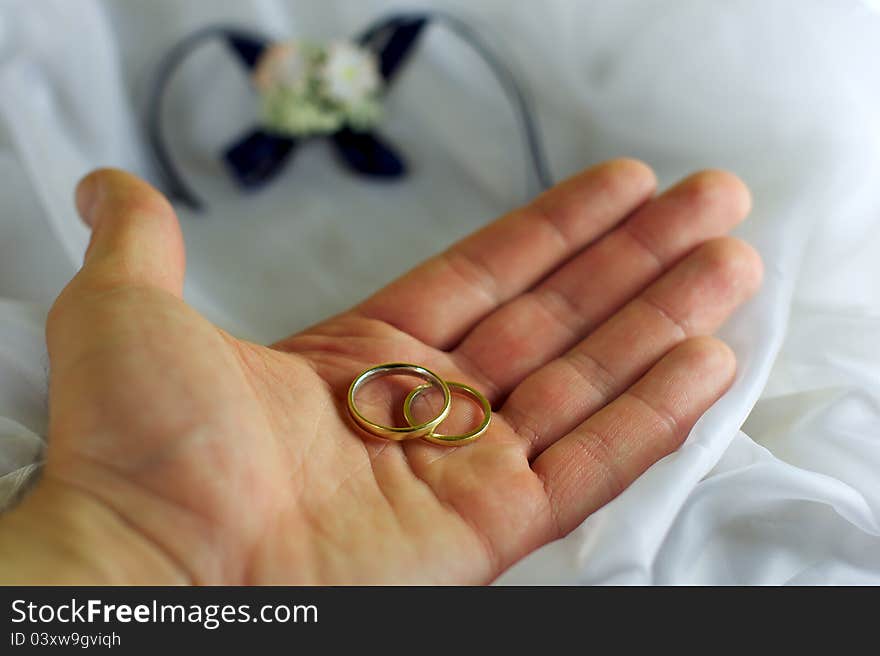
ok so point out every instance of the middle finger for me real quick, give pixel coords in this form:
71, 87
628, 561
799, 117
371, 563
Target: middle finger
543, 323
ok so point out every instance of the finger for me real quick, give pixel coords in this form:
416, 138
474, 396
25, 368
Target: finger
692, 300
439, 301
136, 238
136, 244
601, 457
503, 349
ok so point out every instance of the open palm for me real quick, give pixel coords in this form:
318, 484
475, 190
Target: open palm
199, 457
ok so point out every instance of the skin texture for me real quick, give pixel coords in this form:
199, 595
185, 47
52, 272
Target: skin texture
180, 454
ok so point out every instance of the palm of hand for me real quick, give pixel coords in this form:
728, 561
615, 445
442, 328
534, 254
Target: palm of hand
237, 462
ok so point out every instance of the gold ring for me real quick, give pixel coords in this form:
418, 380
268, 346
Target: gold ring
451, 440
397, 433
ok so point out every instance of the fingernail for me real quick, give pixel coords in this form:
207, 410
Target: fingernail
87, 198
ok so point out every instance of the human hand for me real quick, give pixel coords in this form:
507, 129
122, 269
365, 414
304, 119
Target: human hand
178, 453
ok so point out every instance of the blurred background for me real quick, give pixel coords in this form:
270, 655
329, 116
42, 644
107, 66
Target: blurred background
785, 93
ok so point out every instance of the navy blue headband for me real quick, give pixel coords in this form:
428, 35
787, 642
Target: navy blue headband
259, 155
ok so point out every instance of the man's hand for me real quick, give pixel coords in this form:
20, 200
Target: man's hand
178, 453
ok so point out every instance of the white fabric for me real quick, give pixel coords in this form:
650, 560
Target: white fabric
778, 482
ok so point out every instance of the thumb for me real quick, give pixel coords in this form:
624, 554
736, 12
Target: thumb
127, 293
136, 238
136, 248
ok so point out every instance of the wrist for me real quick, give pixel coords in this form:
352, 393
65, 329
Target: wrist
59, 535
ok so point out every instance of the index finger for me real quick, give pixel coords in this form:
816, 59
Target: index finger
441, 299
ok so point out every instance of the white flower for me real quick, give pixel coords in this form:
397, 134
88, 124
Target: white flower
282, 65
309, 89
350, 74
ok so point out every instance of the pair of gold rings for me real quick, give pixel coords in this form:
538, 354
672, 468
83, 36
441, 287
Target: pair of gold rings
424, 430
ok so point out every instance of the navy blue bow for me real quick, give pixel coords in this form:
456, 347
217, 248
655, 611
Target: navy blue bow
259, 155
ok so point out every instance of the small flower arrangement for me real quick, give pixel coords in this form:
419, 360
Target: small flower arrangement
310, 89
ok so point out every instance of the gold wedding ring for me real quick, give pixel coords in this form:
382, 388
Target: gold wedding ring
424, 430
452, 440
398, 433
